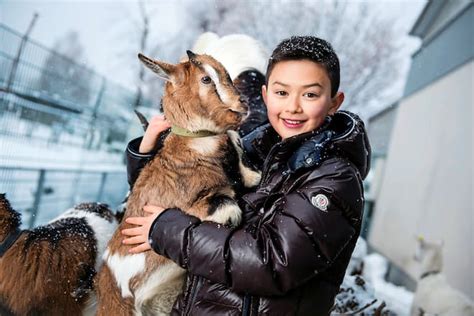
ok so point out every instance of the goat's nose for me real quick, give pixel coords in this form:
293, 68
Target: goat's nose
243, 99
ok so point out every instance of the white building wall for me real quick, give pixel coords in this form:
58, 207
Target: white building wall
427, 186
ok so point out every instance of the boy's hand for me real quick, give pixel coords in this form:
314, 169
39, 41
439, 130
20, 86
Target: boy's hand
139, 235
157, 124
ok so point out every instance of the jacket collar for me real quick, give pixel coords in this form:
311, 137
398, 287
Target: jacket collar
351, 141
342, 134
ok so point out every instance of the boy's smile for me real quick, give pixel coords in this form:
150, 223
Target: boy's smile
298, 97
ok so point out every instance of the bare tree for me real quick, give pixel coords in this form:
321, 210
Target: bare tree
62, 74
144, 34
372, 51
370, 48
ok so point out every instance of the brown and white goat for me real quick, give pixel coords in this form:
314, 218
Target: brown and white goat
49, 270
188, 172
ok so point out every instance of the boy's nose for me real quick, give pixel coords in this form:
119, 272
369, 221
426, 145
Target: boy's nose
293, 105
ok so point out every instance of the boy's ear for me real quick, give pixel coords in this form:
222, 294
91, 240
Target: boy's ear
163, 70
264, 94
336, 102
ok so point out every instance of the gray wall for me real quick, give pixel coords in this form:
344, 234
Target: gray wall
448, 11
427, 183
380, 128
452, 47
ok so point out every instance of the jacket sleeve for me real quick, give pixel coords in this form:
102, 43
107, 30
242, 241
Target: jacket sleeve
292, 240
136, 161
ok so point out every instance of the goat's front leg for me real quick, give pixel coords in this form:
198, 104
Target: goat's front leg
223, 209
250, 177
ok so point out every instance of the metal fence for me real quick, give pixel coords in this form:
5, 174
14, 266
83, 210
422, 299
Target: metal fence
44, 88
63, 108
42, 194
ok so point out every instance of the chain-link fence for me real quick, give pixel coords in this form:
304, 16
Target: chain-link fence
56, 112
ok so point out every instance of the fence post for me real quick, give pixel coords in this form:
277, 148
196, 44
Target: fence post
11, 76
102, 185
37, 200
93, 120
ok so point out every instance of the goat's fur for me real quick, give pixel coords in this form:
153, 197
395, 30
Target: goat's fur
49, 270
433, 295
197, 175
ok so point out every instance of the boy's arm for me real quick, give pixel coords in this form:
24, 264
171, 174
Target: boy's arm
135, 160
142, 149
294, 239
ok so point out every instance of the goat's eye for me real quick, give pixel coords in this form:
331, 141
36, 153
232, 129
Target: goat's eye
206, 80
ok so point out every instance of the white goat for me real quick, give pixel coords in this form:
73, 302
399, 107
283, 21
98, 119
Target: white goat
236, 52
434, 296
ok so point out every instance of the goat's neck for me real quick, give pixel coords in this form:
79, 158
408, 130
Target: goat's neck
4, 231
205, 146
433, 261
6, 228
10, 220
187, 133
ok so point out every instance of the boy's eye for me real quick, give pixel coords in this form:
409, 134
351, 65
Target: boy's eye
281, 93
311, 95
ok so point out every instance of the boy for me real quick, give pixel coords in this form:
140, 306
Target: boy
302, 221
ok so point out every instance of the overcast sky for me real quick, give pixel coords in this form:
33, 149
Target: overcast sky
102, 25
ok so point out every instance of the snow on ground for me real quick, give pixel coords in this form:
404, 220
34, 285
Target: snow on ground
365, 282
397, 298
40, 152
356, 297
72, 173
21, 152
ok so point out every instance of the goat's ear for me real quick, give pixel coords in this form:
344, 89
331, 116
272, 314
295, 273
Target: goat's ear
164, 70
191, 55
193, 58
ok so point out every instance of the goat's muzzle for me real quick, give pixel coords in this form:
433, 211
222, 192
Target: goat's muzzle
241, 114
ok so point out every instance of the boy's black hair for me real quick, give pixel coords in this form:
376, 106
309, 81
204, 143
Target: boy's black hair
307, 47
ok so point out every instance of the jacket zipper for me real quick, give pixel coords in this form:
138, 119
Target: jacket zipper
246, 305
194, 286
266, 163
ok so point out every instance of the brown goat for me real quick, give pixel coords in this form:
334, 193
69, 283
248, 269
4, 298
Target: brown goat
191, 172
49, 270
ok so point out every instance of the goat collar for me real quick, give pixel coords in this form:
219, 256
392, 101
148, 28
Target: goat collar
9, 241
428, 273
184, 132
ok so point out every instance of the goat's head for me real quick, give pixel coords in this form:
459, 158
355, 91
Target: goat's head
199, 94
9, 218
429, 254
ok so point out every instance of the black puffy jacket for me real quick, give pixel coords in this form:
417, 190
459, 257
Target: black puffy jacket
301, 225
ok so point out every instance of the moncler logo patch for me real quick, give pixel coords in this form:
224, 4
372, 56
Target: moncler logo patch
320, 201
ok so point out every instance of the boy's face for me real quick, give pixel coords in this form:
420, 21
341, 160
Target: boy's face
298, 97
